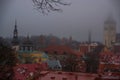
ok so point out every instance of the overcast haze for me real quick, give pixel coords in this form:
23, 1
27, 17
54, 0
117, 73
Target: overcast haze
75, 20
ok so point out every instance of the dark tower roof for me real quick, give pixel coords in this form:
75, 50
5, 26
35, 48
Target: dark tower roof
15, 40
110, 20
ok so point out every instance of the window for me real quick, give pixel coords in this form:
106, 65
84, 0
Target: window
28, 48
52, 78
21, 48
64, 78
31, 48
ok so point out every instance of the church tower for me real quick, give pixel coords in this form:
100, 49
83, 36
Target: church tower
15, 41
109, 32
89, 37
89, 40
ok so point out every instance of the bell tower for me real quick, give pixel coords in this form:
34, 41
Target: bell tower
109, 32
15, 41
15, 33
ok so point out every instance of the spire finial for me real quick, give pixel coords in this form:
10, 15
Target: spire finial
15, 23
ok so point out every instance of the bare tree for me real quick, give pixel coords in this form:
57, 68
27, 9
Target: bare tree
46, 6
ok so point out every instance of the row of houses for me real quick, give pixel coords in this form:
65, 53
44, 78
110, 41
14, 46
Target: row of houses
63, 54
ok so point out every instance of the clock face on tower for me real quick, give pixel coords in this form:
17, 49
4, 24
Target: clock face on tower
105, 28
111, 28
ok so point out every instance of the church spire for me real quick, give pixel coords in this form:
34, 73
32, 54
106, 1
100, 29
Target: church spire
15, 23
89, 36
15, 33
89, 40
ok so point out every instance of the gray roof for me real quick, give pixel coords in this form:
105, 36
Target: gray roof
54, 64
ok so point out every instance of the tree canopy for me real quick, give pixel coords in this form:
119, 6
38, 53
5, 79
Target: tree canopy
7, 61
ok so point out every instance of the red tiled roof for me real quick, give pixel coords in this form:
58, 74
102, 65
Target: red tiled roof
68, 76
22, 71
59, 49
78, 53
106, 53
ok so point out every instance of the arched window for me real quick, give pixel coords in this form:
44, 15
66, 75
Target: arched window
26, 48
31, 48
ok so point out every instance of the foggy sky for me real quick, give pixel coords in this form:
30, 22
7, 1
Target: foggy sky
75, 20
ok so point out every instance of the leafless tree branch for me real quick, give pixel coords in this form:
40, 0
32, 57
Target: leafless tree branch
46, 6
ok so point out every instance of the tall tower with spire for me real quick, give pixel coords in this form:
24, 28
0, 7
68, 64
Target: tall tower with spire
15, 33
15, 41
89, 37
109, 31
89, 41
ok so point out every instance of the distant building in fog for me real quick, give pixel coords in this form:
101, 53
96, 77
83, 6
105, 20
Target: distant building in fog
109, 32
86, 47
26, 46
118, 37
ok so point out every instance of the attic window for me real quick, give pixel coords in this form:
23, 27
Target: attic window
52, 78
59, 72
70, 73
64, 78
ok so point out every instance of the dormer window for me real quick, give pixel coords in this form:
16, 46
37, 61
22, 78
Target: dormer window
52, 78
64, 78
55, 52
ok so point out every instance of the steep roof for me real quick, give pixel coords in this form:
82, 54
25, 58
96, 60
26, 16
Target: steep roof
54, 63
110, 20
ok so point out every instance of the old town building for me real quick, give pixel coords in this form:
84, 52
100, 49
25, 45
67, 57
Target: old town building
109, 32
